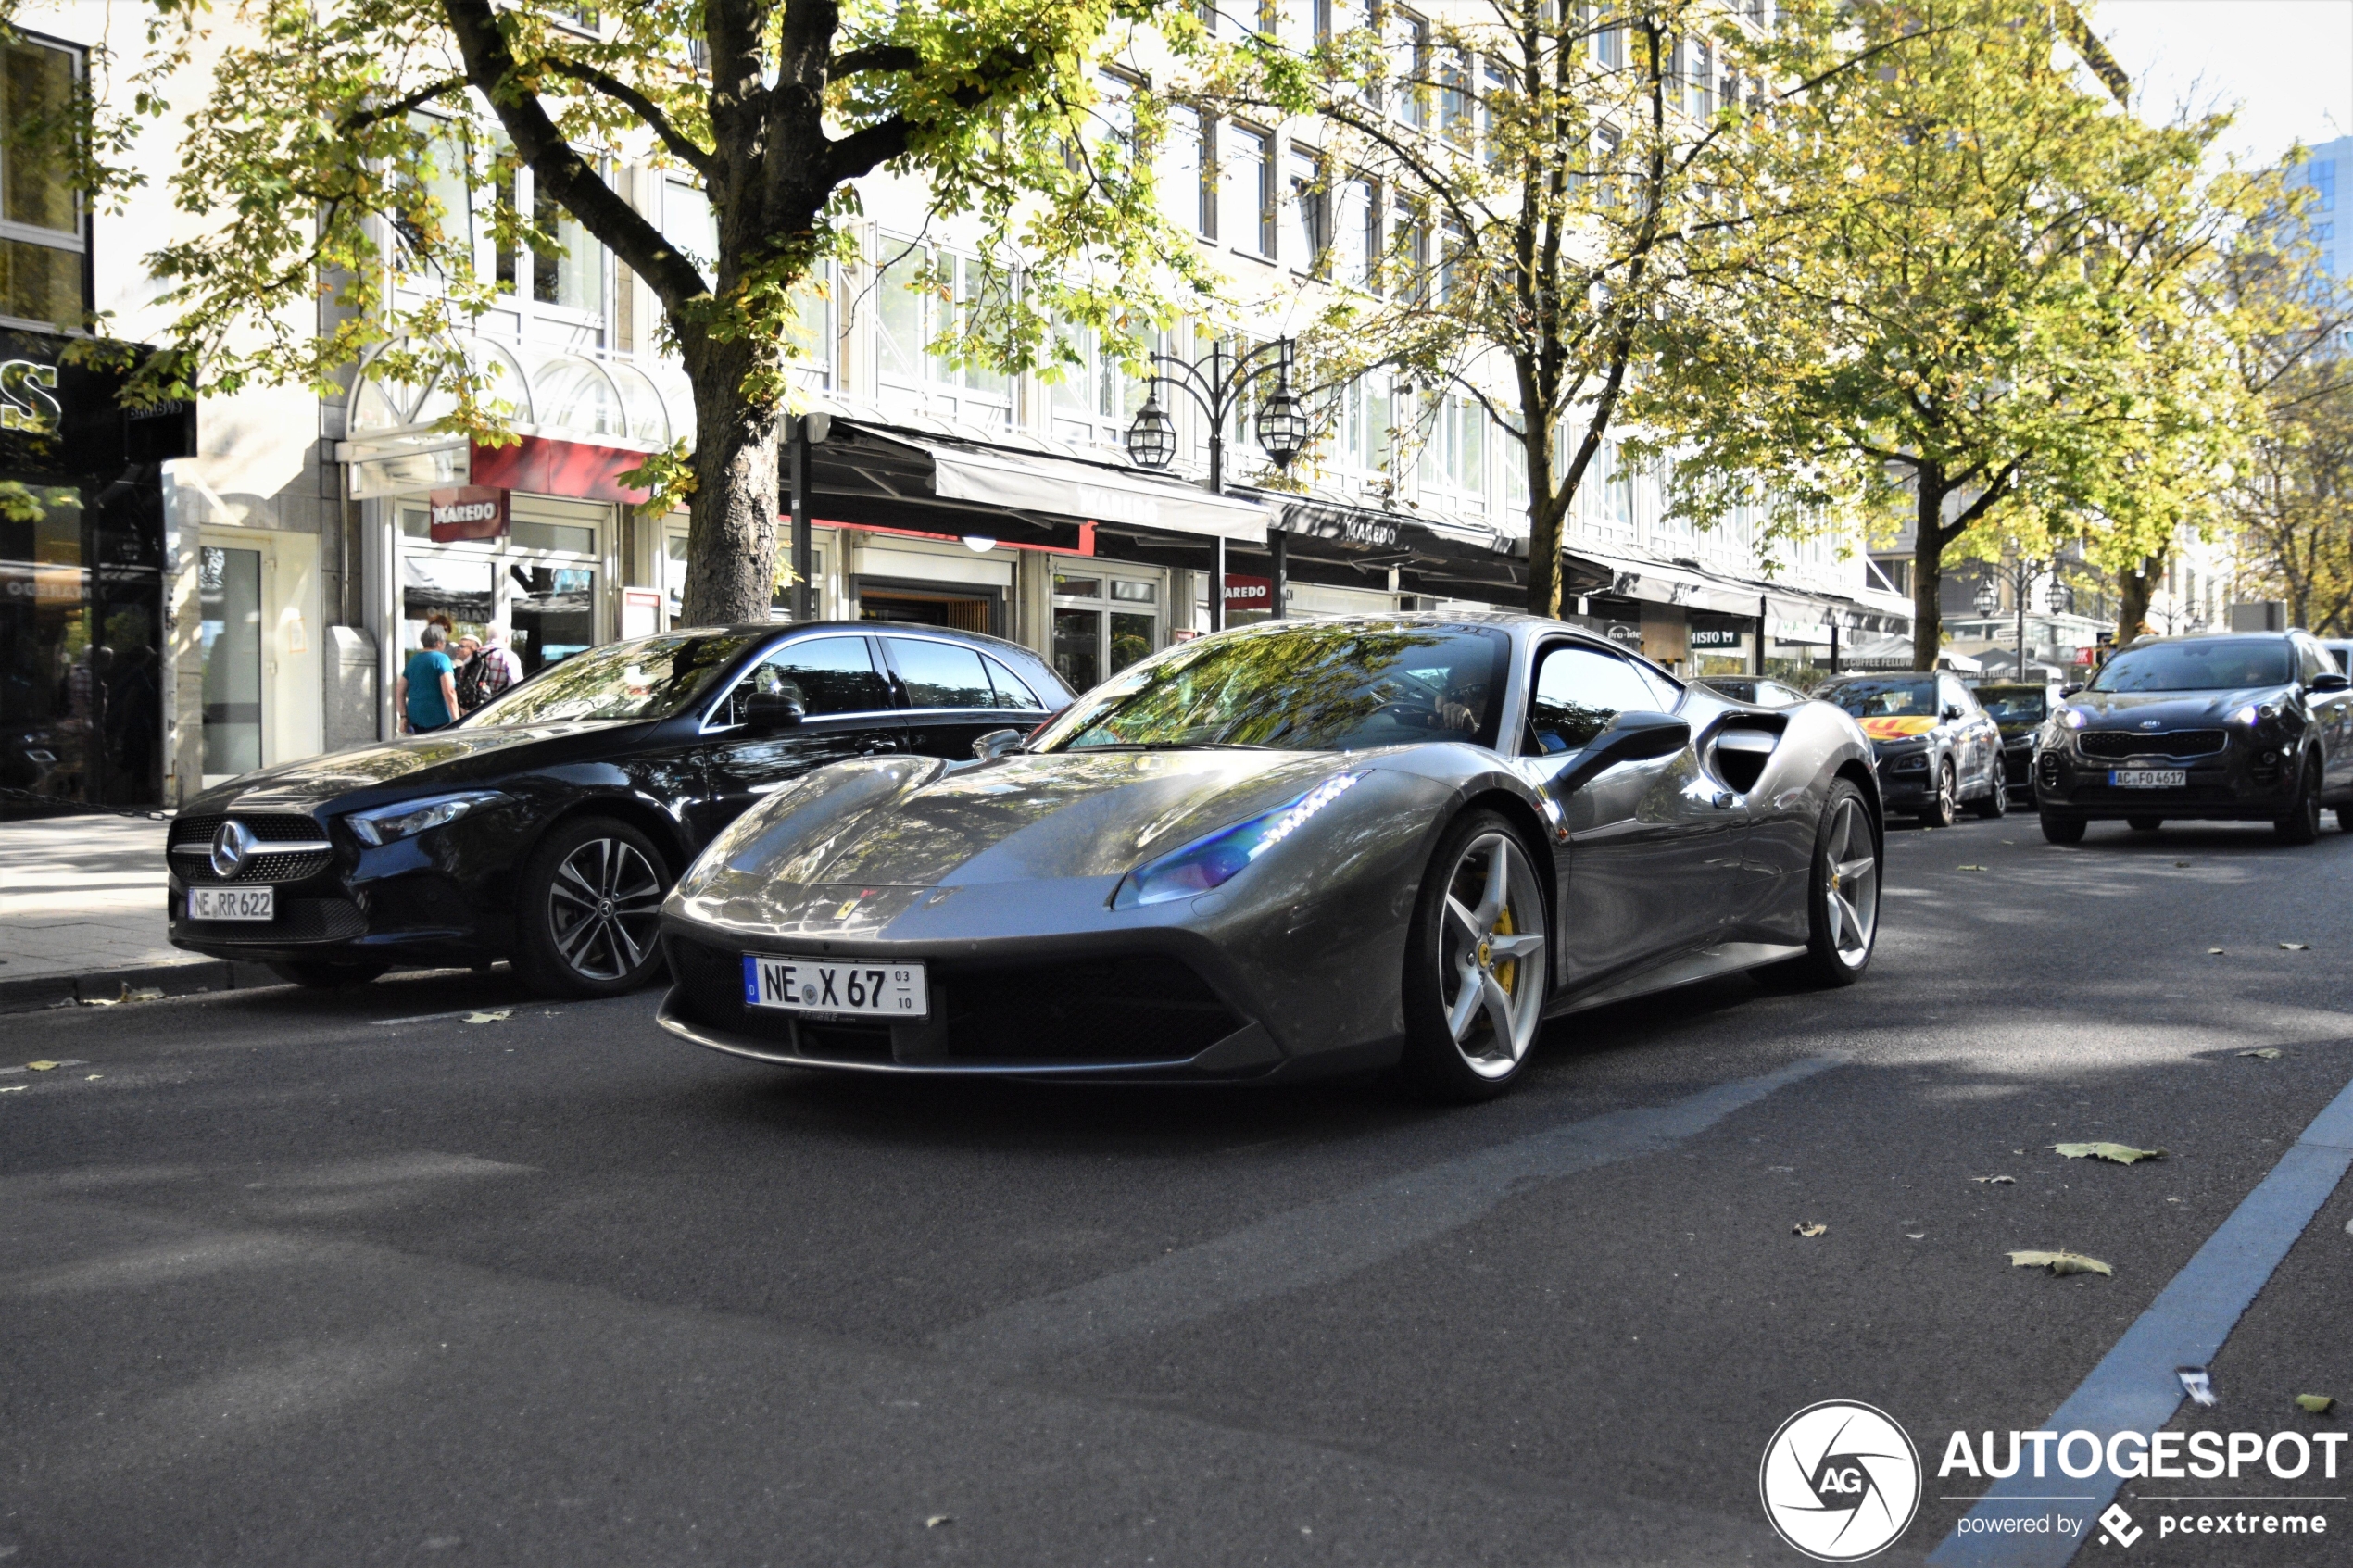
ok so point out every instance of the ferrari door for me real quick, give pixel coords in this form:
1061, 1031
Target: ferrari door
1655, 846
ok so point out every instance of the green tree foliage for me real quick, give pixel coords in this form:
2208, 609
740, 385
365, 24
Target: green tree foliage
1982, 292
348, 153
1546, 175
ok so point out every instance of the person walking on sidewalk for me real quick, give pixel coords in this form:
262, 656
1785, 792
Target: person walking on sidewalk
491, 671
429, 686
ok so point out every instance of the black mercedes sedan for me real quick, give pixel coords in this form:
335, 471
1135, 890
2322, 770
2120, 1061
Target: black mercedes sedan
2231, 727
546, 826
1936, 748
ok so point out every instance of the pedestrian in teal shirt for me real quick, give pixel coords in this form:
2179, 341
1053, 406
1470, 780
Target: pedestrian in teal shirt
429, 686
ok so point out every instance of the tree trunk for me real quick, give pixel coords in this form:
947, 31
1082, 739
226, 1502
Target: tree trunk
2134, 589
1928, 568
731, 541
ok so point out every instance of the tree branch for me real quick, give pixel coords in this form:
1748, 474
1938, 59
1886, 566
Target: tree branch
696, 158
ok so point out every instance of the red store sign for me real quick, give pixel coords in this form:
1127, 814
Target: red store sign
1249, 593
471, 511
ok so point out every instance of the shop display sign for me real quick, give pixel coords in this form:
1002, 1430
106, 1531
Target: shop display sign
1249, 593
1714, 638
468, 512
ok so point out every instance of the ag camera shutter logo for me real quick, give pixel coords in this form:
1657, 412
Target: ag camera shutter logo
1839, 1481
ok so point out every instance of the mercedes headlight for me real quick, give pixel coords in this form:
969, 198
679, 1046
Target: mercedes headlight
1214, 859
410, 818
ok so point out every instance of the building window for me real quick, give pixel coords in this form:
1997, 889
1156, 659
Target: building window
566, 273
1609, 46
1704, 80
1255, 151
1356, 229
1096, 398
1323, 22
1454, 448
922, 299
1197, 146
1311, 209
1409, 57
41, 223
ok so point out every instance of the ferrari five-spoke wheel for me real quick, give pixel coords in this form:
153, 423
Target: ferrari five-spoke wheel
1843, 900
1476, 969
591, 911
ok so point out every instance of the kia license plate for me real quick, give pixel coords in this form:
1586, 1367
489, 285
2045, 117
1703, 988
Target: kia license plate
231, 903
836, 985
2147, 778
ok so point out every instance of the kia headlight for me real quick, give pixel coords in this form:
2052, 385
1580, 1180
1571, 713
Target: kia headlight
410, 818
2254, 713
1213, 860
2070, 719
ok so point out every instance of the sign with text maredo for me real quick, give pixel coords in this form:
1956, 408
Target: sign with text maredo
1249, 593
471, 511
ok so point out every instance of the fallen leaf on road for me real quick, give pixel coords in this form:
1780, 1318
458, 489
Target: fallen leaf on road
2196, 1383
2214, 952
2122, 1153
1914, 1236
936, 1520
2269, 1053
1807, 1227
14, 1088
2318, 1404
143, 994
1770, 1168
2059, 1262
93, 1077
40, 1066
1996, 1180
2295, 947
2181, 865
484, 1017
1976, 867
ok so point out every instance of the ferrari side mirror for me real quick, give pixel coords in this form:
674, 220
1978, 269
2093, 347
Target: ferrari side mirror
768, 712
996, 744
1631, 737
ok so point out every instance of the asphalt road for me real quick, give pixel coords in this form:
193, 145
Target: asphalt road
283, 1282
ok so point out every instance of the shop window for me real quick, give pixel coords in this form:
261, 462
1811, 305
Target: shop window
553, 610
555, 537
1094, 640
228, 643
41, 224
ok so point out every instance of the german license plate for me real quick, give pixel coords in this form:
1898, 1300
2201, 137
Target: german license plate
836, 985
231, 903
2147, 778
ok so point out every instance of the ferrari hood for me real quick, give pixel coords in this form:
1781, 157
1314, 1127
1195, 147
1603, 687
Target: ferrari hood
910, 823
447, 757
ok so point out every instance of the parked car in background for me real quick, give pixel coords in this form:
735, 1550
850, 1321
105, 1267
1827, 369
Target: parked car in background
2019, 710
1937, 749
1764, 693
2231, 726
545, 826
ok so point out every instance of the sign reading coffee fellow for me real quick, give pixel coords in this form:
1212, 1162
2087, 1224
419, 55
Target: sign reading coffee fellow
471, 511
1714, 638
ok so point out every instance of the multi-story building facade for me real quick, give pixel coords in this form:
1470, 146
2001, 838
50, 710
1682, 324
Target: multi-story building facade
2319, 171
292, 552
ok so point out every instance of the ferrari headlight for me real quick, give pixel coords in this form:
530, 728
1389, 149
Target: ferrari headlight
1213, 860
410, 818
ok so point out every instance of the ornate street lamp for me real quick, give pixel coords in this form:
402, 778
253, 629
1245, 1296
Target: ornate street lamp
1217, 388
1988, 598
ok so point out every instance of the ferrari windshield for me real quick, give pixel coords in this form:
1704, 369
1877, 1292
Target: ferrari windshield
651, 678
2220, 665
1313, 686
1896, 697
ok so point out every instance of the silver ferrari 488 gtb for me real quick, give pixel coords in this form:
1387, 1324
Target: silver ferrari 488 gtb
1294, 848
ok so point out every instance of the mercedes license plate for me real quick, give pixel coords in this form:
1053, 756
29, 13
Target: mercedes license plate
2147, 778
231, 903
836, 985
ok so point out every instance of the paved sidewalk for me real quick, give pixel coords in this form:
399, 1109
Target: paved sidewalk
81, 912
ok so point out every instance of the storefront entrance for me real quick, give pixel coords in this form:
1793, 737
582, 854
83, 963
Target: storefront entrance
542, 580
1104, 622
229, 644
924, 606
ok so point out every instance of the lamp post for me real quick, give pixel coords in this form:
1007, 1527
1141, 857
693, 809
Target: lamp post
1216, 388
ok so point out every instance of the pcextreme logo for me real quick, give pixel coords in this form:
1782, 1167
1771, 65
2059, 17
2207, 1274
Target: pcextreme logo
1839, 1481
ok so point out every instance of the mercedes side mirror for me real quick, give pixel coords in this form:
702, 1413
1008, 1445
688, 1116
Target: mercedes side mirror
1631, 737
996, 744
766, 713
2328, 681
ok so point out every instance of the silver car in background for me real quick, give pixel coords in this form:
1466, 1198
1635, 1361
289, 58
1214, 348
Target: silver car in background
1290, 849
